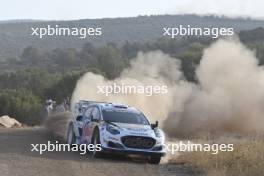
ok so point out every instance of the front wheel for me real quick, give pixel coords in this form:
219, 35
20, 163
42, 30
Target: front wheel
96, 141
154, 159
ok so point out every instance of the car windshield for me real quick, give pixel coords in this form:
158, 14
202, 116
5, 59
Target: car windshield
124, 117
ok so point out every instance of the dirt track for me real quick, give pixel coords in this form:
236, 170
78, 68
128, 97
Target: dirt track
16, 159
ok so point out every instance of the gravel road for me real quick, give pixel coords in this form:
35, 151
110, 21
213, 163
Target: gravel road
16, 159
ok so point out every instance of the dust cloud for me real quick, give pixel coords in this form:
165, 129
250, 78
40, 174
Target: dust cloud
229, 95
57, 125
154, 68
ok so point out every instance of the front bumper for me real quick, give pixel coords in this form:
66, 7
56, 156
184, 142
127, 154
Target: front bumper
135, 152
113, 144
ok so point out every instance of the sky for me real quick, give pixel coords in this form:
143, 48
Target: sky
83, 9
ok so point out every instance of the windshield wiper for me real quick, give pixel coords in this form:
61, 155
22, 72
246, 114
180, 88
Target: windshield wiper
110, 122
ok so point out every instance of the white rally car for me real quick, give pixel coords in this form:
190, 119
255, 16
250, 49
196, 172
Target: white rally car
118, 128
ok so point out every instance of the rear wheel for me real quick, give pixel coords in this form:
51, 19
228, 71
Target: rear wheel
71, 138
154, 159
96, 141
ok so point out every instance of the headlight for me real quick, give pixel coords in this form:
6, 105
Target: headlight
112, 129
158, 133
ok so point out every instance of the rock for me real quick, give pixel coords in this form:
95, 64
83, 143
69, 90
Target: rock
8, 122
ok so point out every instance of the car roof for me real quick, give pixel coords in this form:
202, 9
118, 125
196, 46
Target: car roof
117, 107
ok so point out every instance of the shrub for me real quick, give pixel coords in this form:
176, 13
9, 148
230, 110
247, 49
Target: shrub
21, 105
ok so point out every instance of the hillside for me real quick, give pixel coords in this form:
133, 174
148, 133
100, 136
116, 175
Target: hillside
15, 35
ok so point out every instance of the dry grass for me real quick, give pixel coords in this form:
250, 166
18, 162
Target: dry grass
247, 159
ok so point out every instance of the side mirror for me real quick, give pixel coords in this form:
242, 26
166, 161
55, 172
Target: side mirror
79, 118
155, 125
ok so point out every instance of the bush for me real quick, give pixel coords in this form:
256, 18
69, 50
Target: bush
21, 105
246, 159
65, 86
33, 79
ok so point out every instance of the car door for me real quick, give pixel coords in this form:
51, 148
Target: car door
86, 131
95, 118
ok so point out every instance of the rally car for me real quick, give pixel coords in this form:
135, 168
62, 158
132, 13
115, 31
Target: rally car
117, 128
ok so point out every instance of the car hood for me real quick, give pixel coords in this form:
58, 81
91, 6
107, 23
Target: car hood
136, 128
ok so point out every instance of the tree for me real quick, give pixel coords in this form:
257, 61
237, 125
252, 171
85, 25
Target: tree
111, 61
32, 79
65, 58
87, 55
190, 59
32, 55
65, 86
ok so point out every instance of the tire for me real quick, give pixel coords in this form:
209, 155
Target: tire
154, 159
71, 138
96, 141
